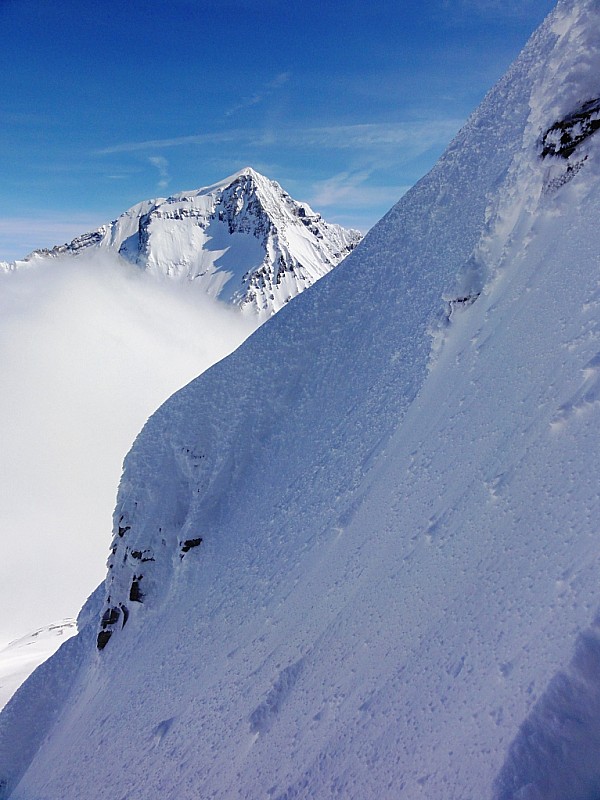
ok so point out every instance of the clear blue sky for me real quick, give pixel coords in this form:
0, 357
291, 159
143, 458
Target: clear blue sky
345, 103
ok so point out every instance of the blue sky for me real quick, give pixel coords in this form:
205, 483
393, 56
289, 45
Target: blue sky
345, 103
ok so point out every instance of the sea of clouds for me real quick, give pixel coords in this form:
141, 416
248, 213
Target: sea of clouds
89, 348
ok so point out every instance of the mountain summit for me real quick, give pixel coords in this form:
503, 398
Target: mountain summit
359, 557
244, 240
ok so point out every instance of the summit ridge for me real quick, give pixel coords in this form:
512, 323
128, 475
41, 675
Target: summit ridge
244, 240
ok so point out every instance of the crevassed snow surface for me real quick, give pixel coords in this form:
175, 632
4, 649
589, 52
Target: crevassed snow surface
397, 589
20, 657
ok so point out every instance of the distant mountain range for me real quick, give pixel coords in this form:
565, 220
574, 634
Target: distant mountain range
244, 240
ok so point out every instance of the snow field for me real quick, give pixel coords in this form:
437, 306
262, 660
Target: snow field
20, 657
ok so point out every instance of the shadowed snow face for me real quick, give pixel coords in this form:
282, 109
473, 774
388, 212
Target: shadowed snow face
555, 753
88, 349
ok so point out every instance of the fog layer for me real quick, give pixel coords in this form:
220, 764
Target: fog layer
89, 347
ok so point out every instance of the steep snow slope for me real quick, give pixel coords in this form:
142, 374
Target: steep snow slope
244, 240
396, 590
19, 658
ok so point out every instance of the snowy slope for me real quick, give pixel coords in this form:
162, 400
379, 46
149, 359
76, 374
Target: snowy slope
19, 658
397, 589
244, 240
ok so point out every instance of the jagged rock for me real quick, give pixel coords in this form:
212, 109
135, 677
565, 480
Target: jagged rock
244, 240
135, 594
563, 137
142, 555
189, 543
110, 616
102, 639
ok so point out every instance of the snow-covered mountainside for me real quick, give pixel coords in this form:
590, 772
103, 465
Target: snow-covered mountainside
375, 572
244, 240
19, 658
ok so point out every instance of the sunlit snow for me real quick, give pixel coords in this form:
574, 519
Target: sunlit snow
394, 584
20, 657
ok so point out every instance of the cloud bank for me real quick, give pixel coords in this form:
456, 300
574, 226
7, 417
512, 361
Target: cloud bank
88, 349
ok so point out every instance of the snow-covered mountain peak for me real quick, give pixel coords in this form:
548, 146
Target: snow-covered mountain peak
247, 177
363, 577
243, 240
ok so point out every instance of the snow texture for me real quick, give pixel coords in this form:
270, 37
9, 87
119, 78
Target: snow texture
244, 240
20, 657
399, 550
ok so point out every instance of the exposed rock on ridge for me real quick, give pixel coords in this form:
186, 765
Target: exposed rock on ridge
245, 240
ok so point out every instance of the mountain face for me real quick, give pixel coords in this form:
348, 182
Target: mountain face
359, 557
244, 240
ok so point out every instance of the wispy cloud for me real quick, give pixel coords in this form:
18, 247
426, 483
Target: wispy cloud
162, 165
347, 190
338, 188
418, 135
258, 97
20, 235
177, 141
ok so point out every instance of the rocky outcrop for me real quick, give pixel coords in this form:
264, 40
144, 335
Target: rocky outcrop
565, 136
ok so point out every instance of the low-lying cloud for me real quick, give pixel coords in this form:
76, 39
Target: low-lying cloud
89, 347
